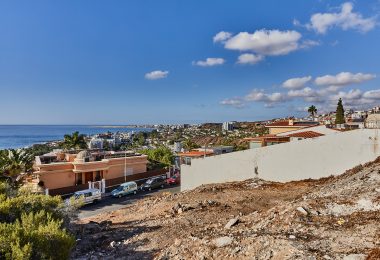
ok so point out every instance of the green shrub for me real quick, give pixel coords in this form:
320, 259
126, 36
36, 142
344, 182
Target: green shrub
12, 208
35, 236
32, 226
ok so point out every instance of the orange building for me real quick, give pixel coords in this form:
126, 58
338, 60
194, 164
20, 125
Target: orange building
67, 170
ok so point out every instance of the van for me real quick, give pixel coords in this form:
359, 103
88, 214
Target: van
89, 196
125, 189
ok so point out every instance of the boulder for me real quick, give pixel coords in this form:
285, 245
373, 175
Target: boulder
231, 223
222, 241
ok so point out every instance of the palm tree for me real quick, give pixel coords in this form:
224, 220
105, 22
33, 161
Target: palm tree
312, 110
74, 141
15, 162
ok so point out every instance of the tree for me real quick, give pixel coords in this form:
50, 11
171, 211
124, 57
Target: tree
74, 141
106, 145
189, 145
15, 162
339, 119
161, 154
312, 110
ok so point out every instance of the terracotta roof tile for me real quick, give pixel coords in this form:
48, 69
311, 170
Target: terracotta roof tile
306, 134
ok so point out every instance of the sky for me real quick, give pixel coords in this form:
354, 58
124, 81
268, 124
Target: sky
151, 61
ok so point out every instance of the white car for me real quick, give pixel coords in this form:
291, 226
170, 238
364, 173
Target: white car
88, 196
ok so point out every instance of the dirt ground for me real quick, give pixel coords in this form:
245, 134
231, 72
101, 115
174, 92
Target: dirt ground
330, 218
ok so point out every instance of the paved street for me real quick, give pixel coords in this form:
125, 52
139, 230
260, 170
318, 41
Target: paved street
110, 204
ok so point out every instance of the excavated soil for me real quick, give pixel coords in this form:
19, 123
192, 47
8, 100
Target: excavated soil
330, 218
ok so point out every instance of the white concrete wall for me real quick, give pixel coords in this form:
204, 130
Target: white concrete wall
309, 158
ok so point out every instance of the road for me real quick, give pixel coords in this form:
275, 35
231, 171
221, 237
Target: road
110, 204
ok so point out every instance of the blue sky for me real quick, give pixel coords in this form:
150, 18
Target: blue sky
137, 61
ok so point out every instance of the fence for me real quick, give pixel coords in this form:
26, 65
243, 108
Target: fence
109, 182
134, 177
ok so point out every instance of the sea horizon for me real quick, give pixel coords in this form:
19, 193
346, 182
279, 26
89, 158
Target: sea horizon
21, 136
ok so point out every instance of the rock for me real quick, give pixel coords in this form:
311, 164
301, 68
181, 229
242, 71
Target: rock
292, 237
236, 250
355, 257
180, 211
112, 244
222, 241
326, 257
302, 210
231, 223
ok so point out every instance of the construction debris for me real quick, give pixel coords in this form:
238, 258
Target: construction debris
330, 218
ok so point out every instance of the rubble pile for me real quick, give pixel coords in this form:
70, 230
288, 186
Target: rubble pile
330, 218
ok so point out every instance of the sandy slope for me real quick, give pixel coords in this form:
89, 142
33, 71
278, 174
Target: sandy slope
339, 219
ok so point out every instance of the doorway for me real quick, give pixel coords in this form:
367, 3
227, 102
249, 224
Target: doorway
88, 177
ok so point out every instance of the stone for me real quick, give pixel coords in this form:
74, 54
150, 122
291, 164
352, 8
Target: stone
292, 237
231, 223
222, 241
180, 211
302, 211
355, 257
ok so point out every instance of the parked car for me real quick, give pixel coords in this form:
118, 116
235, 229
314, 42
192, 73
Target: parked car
88, 196
125, 189
175, 179
154, 183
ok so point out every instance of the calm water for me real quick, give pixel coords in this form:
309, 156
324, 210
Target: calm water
18, 136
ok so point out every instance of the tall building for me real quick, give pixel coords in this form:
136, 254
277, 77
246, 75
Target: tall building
228, 126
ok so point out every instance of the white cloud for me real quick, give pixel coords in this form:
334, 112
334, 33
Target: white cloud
345, 19
209, 62
234, 102
296, 22
307, 44
260, 96
157, 74
325, 98
372, 94
249, 58
352, 94
343, 78
306, 92
222, 36
265, 42
296, 83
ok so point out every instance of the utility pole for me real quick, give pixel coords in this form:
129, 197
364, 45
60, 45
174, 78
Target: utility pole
125, 164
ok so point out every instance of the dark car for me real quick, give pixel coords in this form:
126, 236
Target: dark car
154, 183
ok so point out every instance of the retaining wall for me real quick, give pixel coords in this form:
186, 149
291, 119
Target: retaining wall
303, 159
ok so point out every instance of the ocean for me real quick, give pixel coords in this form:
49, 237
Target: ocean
19, 136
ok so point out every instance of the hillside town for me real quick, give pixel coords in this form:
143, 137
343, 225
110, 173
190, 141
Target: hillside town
168, 159
181, 130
